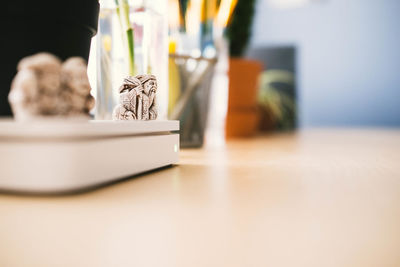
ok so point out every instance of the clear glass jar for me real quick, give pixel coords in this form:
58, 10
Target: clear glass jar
115, 60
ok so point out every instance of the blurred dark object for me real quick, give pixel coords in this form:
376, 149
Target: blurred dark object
242, 116
275, 57
62, 28
277, 87
190, 84
239, 28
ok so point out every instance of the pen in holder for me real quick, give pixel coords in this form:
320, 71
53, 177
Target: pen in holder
190, 82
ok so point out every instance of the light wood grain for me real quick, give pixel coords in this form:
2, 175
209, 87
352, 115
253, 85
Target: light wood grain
315, 198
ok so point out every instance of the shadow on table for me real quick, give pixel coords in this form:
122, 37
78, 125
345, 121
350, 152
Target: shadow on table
84, 190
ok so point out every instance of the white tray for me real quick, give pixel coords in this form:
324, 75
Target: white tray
59, 156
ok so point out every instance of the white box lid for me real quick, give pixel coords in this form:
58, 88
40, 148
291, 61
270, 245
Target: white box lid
66, 128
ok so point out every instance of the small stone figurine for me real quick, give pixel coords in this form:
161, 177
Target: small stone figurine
44, 86
137, 99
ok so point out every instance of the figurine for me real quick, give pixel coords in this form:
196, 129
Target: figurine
44, 86
137, 99
149, 83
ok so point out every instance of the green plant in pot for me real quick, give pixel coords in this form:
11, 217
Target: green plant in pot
63, 28
242, 116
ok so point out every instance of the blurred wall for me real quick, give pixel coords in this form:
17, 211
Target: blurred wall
348, 58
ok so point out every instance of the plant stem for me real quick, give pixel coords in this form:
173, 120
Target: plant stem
126, 26
131, 50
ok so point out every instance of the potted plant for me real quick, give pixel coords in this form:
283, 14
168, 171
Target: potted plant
242, 115
63, 28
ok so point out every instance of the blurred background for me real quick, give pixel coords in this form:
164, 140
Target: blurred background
239, 68
347, 57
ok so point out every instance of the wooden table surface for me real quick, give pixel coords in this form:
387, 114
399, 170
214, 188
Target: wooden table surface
315, 198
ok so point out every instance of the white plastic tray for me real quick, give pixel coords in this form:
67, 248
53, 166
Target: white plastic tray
59, 156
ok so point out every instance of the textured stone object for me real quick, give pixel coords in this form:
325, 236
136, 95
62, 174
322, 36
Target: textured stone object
137, 99
45, 86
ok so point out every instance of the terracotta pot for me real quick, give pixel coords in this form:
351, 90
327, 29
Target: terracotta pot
242, 117
241, 123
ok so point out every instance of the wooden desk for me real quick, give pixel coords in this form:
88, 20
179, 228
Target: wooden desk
316, 198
